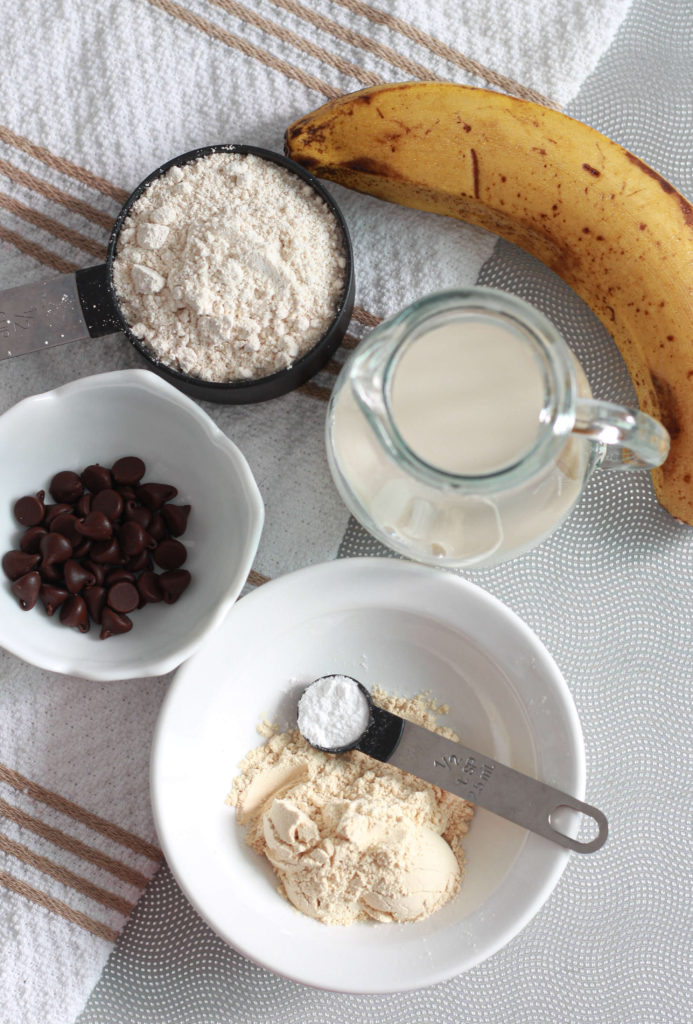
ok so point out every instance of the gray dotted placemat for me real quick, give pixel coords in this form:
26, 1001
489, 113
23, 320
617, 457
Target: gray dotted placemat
610, 596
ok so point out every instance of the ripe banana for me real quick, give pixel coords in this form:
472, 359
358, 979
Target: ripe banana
608, 224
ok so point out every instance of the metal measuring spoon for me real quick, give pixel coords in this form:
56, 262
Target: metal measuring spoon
466, 773
84, 304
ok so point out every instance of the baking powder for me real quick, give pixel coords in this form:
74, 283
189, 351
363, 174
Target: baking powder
229, 267
333, 712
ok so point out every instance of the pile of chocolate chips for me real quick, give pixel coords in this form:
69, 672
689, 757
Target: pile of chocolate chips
92, 554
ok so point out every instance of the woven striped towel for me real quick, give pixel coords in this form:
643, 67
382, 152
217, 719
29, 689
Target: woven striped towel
93, 97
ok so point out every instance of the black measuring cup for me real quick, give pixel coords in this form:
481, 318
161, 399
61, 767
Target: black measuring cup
84, 304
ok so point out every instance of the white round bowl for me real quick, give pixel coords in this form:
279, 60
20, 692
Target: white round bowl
99, 419
407, 628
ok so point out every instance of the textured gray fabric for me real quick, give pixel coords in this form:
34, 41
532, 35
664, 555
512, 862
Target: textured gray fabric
609, 595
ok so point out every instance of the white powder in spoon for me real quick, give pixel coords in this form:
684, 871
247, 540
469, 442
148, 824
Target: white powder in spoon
229, 267
333, 712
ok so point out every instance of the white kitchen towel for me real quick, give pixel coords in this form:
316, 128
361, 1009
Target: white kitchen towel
93, 97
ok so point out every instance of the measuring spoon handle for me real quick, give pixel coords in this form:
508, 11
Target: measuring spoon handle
57, 311
487, 783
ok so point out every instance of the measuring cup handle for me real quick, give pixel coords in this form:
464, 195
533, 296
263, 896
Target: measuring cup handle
631, 439
96, 299
57, 311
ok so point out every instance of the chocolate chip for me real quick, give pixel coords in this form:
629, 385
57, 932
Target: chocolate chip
52, 597
132, 538
52, 573
97, 478
113, 623
176, 518
95, 600
66, 524
96, 525
170, 554
157, 528
140, 562
173, 584
83, 506
17, 563
137, 513
31, 539
55, 510
30, 510
149, 589
73, 612
54, 548
98, 570
128, 470
77, 577
26, 589
153, 496
115, 575
82, 549
109, 502
66, 486
123, 597
106, 551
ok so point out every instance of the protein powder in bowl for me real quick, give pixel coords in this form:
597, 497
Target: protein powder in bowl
232, 270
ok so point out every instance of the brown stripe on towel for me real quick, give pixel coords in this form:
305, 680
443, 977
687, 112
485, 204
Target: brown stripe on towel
65, 877
315, 391
64, 166
256, 579
57, 907
350, 341
85, 817
72, 845
429, 42
298, 42
56, 195
332, 367
53, 227
37, 252
249, 49
364, 317
353, 38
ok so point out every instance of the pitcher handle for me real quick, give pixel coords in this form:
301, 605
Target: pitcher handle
631, 438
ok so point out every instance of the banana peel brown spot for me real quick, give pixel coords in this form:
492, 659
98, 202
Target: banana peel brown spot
475, 172
309, 162
367, 165
592, 170
662, 182
666, 400
686, 208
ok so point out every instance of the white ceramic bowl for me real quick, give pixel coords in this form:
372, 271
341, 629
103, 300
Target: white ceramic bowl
407, 628
99, 419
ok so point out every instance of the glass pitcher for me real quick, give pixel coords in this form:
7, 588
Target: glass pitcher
462, 431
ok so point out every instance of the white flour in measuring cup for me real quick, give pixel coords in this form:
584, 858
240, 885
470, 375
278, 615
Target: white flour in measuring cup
229, 267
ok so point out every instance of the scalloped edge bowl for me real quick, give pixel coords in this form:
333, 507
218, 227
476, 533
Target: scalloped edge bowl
99, 419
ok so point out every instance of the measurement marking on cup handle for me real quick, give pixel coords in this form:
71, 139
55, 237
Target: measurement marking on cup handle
474, 773
11, 323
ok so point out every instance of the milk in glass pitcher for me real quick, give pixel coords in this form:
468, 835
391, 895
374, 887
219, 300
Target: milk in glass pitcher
462, 431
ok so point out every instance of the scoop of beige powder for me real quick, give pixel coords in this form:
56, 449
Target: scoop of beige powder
348, 837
